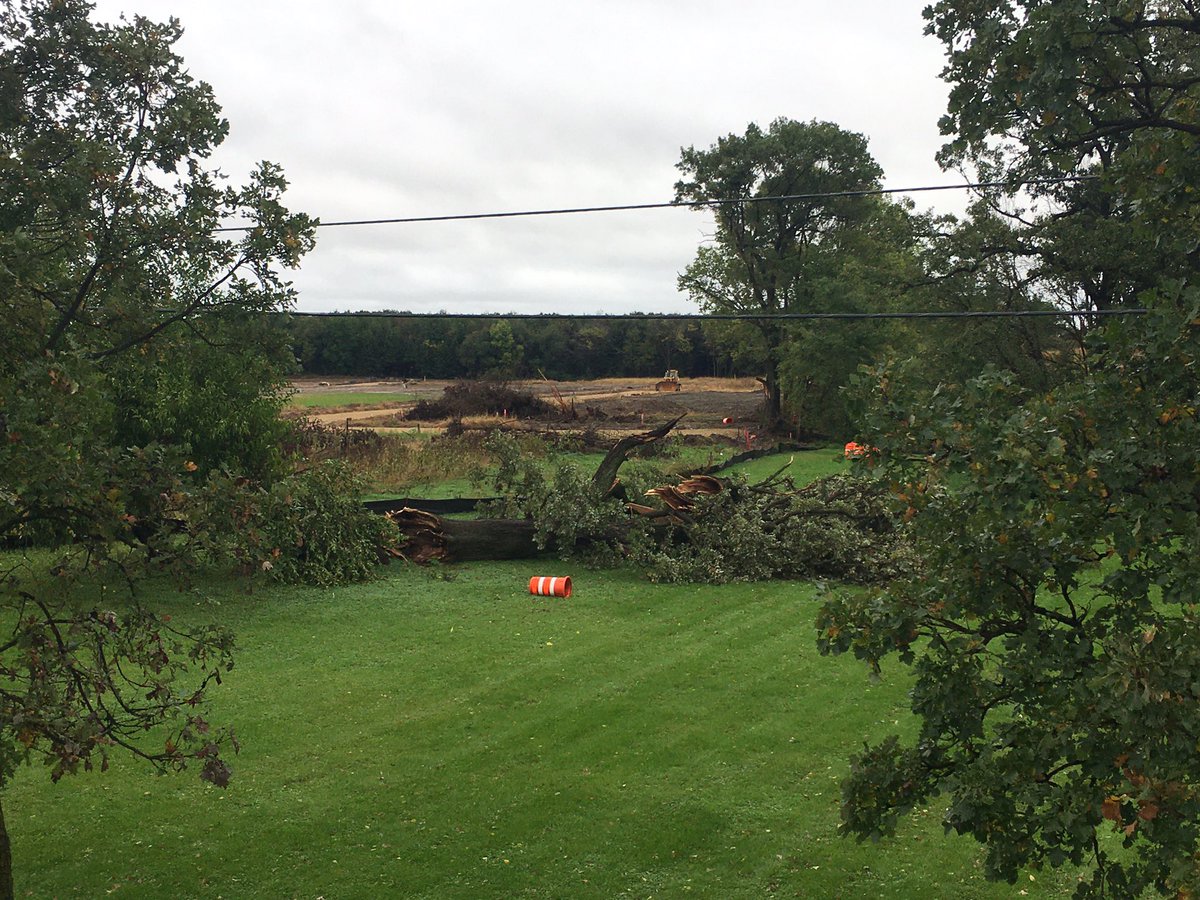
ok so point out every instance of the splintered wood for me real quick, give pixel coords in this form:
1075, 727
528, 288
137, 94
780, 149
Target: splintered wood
678, 500
424, 539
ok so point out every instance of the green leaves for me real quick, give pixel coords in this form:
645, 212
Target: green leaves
108, 214
1056, 513
309, 527
571, 514
131, 356
773, 258
885, 782
1052, 628
1042, 89
135, 655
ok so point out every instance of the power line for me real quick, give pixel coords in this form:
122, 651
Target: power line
688, 204
957, 314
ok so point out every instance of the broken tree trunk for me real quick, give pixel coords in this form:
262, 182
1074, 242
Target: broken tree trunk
697, 529
838, 527
428, 537
605, 479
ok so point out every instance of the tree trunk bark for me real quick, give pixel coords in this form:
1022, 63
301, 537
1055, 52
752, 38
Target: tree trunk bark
6, 873
474, 539
773, 408
429, 537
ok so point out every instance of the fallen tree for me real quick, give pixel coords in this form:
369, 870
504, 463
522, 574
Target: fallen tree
701, 528
430, 537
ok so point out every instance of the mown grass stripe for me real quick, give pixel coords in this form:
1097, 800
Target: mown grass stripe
404, 738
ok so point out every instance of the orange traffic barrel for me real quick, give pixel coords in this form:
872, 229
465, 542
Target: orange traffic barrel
545, 586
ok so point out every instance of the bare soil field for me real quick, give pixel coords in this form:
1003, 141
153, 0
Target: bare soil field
610, 404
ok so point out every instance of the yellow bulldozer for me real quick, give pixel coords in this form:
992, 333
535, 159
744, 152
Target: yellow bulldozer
669, 382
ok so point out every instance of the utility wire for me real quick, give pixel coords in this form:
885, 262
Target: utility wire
716, 201
960, 314
691, 204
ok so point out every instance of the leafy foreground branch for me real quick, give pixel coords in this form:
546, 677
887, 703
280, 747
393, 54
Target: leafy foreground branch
65, 649
703, 529
87, 670
1054, 631
135, 362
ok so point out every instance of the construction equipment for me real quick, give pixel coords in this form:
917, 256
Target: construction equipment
669, 382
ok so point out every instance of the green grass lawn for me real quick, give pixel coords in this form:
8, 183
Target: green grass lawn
803, 466
348, 398
441, 734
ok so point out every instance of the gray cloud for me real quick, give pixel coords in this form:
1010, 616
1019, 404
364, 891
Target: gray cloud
379, 109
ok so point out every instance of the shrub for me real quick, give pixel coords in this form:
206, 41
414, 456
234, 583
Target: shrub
308, 527
478, 398
311, 439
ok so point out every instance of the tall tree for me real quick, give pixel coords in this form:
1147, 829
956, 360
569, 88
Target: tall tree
113, 273
1043, 89
1052, 624
763, 256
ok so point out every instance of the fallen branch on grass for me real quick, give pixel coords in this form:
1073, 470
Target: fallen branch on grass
702, 528
430, 537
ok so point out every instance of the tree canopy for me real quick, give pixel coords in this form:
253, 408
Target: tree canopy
1105, 88
770, 257
1051, 625
133, 362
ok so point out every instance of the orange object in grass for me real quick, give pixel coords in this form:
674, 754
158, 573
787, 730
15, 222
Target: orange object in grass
545, 586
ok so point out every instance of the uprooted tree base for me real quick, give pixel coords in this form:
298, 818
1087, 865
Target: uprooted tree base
703, 528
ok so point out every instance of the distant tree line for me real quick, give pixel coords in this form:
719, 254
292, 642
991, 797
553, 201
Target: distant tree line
393, 346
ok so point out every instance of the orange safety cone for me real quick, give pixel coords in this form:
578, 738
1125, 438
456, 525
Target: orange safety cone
544, 586
855, 450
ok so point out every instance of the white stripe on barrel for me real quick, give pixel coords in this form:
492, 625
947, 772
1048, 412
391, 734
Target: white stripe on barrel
550, 586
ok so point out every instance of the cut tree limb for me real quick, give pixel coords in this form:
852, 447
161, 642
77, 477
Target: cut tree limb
429, 537
605, 479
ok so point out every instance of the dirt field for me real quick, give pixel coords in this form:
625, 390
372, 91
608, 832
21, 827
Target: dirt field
609, 404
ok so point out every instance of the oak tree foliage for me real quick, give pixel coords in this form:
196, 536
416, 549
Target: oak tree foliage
134, 362
1052, 625
1106, 88
1052, 629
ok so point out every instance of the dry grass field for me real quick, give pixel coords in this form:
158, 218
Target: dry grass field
610, 404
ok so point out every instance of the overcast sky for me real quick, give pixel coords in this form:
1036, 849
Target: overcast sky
380, 109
